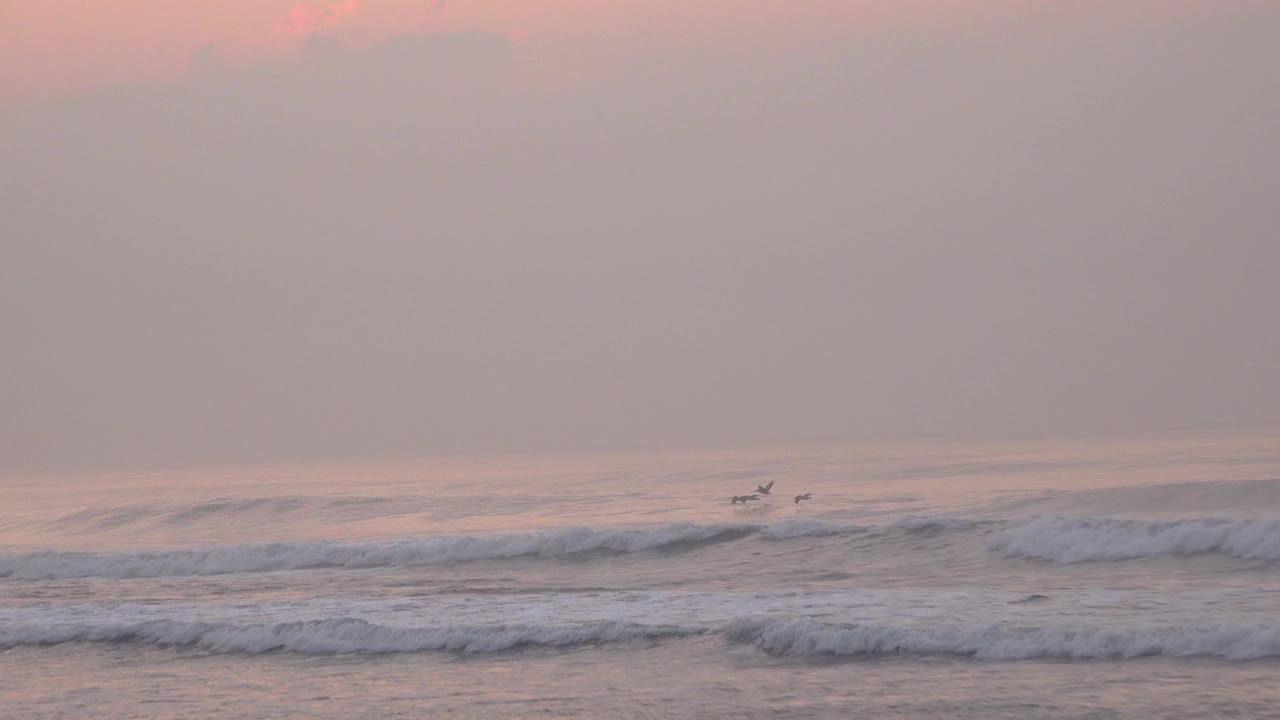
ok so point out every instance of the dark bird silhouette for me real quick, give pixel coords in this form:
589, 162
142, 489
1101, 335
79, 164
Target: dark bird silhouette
742, 499
764, 489
806, 496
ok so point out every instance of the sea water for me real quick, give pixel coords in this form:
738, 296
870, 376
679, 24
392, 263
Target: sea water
1067, 580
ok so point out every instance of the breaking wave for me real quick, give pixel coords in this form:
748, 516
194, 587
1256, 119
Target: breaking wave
1070, 540
1007, 642
338, 635
781, 637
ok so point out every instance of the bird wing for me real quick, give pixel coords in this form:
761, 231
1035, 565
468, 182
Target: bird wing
769, 487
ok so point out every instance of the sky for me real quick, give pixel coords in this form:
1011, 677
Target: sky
53, 48
251, 231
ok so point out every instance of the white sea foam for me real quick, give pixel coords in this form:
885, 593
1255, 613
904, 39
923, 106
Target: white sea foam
1069, 540
783, 637
336, 636
1007, 642
398, 553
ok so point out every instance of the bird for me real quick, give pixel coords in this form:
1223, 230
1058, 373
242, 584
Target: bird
764, 489
742, 499
806, 496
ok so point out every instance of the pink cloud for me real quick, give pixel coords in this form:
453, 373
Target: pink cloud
429, 21
340, 12
304, 19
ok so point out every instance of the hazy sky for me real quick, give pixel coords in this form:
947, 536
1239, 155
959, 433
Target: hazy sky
54, 47
388, 229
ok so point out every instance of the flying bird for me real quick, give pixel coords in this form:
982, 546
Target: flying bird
742, 499
764, 489
806, 496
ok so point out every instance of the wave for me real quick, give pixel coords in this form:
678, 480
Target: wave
1200, 498
919, 523
1006, 642
780, 637
416, 552
805, 527
232, 509
1070, 540
419, 552
338, 635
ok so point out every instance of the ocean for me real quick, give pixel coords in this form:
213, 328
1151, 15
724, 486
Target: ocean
1102, 579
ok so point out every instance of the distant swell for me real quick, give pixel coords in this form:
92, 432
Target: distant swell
921, 523
804, 527
419, 552
1006, 642
398, 553
1069, 540
337, 635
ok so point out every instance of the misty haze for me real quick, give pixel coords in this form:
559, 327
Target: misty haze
424, 247
392, 332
